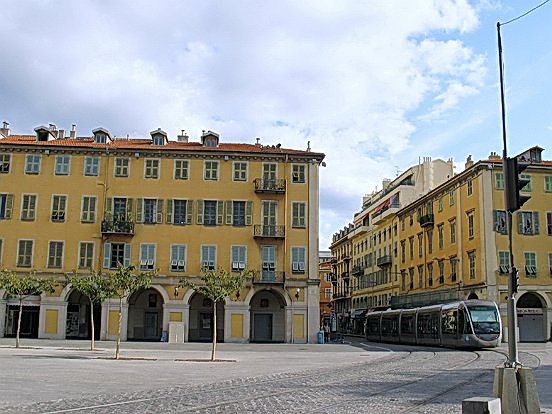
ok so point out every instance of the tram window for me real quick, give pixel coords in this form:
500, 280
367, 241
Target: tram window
449, 322
372, 326
464, 322
407, 324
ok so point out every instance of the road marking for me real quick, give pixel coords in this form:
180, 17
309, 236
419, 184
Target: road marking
377, 347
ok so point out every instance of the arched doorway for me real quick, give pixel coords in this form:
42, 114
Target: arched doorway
78, 324
472, 296
530, 316
201, 319
145, 316
268, 317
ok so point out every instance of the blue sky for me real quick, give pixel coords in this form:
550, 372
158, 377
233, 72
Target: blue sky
374, 84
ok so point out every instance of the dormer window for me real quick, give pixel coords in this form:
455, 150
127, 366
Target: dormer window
210, 139
43, 134
158, 140
100, 139
158, 137
101, 135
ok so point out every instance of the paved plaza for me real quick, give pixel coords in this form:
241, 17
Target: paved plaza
63, 377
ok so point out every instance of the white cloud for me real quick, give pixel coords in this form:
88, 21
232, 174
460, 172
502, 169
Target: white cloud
345, 75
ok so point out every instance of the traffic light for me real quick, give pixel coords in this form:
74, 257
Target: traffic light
514, 280
514, 184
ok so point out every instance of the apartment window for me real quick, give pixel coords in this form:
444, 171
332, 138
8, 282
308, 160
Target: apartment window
440, 204
92, 166
181, 169
147, 256
25, 253
499, 221
441, 236
238, 213
470, 187
504, 262
298, 260
530, 264
211, 170
63, 163
179, 213
298, 174
549, 223
453, 262
268, 265
471, 261
403, 279
327, 278
528, 222
151, 169
28, 207
421, 276
548, 183
298, 215
59, 203
238, 258
153, 211
451, 197
499, 181
430, 274
122, 166
526, 187
32, 164
209, 257
178, 258
471, 228
5, 163
403, 250
550, 263
210, 213
88, 213
411, 275
430, 241
240, 171
441, 264
452, 225
411, 247
420, 244
55, 254
86, 255
6, 206
269, 172
116, 254
328, 293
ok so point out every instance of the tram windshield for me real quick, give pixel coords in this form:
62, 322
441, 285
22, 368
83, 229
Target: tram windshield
484, 319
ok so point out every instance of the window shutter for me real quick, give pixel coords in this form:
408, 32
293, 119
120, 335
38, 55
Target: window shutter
127, 255
109, 207
169, 217
9, 206
495, 220
92, 209
199, 211
536, 222
189, 211
159, 218
220, 213
303, 214
520, 223
129, 208
107, 255
248, 213
139, 204
229, 208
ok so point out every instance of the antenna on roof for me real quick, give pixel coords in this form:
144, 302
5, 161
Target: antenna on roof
308, 146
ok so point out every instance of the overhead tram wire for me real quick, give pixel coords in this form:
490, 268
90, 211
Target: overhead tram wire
525, 14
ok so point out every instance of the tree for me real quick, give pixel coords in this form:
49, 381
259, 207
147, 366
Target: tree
96, 288
216, 285
21, 287
124, 283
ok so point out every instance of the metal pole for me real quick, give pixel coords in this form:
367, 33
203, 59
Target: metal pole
511, 310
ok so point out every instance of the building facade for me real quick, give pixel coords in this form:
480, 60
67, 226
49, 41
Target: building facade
341, 249
71, 203
454, 243
325, 269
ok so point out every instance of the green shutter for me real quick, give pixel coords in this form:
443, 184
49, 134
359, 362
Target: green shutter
229, 208
248, 213
159, 217
127, 255
129, 208
9, 206
169, 217
536, 222
199, 211
109, 208
520, 223
220, 213
107, 255
189, 211
139, 217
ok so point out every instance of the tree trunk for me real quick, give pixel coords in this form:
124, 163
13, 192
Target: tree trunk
91, 325
19, 323
118, 347
214, 348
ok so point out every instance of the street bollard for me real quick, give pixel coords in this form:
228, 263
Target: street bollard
320, 337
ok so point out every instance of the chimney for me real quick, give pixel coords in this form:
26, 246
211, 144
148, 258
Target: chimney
469, 162
494, 157
258, 141
5, 130
61, 134
73, 133
182, 137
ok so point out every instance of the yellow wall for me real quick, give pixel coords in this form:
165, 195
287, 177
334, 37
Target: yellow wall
175, 317
298, 326
113, 323
237, 325
51, 322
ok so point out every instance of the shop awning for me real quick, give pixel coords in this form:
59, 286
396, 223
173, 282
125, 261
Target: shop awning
358, 313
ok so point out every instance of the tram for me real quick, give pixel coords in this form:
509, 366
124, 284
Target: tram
462, 324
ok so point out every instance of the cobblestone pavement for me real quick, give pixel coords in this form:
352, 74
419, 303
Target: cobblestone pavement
406, 380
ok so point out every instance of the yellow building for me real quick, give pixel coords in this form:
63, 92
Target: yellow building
453, 243
341, 250
80, 203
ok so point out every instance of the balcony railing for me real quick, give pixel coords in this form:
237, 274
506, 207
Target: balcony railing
345, 275
118, 226
269, 231
427, 220
270, 277
357, 270
270, 186
384, 260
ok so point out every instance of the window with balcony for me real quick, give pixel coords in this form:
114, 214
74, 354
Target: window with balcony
59, 203
239, 259
178, 257
92, 166
63, 164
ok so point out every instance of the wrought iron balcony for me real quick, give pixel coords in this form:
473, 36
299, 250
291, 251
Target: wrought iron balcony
277, 185
261, 231
427, 220
270, 277
121, 225
357, 270
384, 260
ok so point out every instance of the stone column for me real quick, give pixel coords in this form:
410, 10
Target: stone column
236, 323
52, 318
176, 307
110, 315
